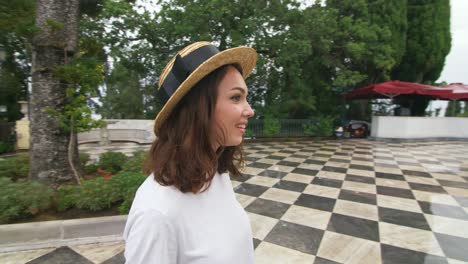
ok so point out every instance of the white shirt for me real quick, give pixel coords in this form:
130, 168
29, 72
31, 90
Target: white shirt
167, 226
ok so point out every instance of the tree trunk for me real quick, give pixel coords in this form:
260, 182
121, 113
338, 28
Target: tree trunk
55, 45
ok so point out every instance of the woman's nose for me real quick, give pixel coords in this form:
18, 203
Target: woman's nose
249, 112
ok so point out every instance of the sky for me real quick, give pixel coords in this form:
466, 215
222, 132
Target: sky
456, 62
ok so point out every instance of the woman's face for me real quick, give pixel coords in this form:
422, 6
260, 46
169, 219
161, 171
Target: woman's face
232, 109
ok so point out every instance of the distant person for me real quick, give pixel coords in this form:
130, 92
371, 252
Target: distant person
186, 211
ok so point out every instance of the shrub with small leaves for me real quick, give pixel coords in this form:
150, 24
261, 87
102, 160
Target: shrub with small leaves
66, 197
97, 194
84, 158
22, 199
16, 167
127, 183
112, 162
271, 126
135, 163
91, 168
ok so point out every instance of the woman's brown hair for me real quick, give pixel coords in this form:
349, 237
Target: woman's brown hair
183, 155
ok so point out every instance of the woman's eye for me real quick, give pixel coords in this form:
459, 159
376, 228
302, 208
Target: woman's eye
236, 97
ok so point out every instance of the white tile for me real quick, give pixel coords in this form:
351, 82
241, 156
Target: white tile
261, 225
307, 216
268, 253
410, 238
348, 249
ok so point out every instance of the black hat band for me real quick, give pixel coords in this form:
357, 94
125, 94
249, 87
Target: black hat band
182, 68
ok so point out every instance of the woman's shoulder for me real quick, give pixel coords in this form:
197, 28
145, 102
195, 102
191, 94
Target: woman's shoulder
153, 196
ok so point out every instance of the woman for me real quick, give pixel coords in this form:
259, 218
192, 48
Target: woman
186, 211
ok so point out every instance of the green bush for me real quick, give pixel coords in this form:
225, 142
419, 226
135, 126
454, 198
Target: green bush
97, 194
321, 127
127, 183
15, 168
135, 163
23, 198
84, 158
6, 147
91, 168
66, 197
101, 193
271, 126
112, 162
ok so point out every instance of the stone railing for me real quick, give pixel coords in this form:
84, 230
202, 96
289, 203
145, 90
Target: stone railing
118, 130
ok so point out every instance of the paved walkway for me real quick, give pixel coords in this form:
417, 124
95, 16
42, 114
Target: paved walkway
344, 201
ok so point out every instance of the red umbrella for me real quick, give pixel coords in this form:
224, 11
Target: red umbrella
390, 89
457, 91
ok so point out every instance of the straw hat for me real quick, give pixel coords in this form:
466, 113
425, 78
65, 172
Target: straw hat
190, 65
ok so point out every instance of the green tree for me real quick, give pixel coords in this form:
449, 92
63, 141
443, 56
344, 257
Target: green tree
428, 42
124, 96
16, 29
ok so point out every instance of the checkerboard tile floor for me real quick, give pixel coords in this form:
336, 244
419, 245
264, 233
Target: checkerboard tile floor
344, 201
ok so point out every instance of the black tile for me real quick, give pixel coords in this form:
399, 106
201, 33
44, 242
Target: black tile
396, 255
256, 242
61, 255
453, 247
454, 184
344, 154
319, 260
268, 208
249, 158
363, 152
322, 155
390, 176
316, 162
397, 192
334, 169
327, 182
298, 237
404, 218
287, 151
386, 165
363, 159
264, 152
259, 165
427, 187
359, 197
443, 210
296, 147
316, 202
416, 173
288, 163
250, 189
354, 226
339, 160
361, 167
242, 178
299, 156
328, 149
384, 157
361, 179
290, 185
273, 174
117, 259
305, 171
274, 157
